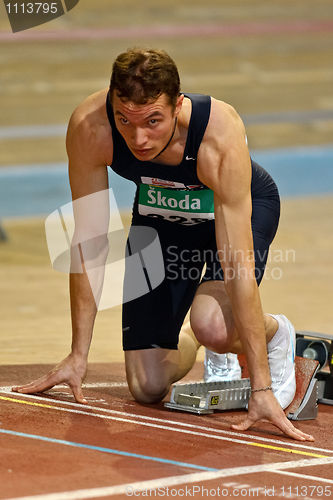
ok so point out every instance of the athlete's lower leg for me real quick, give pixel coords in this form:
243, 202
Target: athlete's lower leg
150, 372
188, 346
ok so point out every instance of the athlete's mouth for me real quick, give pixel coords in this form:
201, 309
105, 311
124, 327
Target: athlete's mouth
142, 152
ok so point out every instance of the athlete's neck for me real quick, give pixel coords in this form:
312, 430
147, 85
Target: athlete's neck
168, 143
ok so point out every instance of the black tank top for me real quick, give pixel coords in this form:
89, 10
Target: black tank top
174, 192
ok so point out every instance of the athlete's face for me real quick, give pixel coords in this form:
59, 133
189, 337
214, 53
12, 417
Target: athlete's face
148, 127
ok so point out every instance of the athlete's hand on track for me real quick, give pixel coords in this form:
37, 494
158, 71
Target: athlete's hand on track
264, 406
70, 371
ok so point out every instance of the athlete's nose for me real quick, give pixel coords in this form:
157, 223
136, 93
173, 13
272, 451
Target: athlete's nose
140, 137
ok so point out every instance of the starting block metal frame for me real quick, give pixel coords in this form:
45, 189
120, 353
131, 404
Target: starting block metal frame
204, 398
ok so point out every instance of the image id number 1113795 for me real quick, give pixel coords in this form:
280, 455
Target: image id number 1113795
32, 8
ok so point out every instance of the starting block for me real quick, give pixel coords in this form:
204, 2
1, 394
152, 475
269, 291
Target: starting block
314, 383
204, 398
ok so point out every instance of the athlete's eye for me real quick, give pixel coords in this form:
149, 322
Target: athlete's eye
124, 121
153, 121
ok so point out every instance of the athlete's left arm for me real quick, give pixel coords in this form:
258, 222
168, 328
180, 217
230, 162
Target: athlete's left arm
224, 166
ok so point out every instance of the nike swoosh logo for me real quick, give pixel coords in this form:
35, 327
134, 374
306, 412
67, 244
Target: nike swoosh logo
189, 158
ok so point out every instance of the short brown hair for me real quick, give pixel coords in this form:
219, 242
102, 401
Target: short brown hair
141, 75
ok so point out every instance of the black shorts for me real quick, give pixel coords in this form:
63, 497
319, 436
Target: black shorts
165, 268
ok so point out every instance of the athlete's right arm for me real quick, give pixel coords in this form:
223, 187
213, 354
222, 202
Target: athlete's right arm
89, 183
88, 148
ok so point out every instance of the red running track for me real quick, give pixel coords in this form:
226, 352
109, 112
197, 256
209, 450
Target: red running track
52, 448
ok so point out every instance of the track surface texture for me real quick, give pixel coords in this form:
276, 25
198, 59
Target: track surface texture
113, 446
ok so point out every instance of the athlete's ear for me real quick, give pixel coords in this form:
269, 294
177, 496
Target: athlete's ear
179, 104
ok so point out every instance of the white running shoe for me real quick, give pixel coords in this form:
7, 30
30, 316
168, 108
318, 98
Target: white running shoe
221, 367
281, 360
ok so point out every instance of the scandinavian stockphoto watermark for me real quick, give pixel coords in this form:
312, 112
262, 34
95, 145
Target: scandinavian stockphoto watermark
237, 264
87, 235
26, 14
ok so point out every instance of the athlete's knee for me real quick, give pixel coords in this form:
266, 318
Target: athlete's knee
148, 390
211, 331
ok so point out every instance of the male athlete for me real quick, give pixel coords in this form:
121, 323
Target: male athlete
198, 189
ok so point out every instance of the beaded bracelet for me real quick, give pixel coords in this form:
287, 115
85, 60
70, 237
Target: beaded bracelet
263, 389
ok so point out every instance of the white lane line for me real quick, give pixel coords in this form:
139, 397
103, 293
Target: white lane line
304, 476
172, 422
169, 428
95, 385
92, 385
131, 488
148, 424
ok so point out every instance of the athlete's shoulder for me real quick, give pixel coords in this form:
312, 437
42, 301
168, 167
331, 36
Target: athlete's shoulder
224, 117
225, 133
225, 127
89, 125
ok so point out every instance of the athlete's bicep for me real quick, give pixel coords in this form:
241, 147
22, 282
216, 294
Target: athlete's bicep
88, 179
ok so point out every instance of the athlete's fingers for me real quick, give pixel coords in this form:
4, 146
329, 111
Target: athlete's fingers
284, 425
33, 387
244, 425
78, 394
290, 430
39, 385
